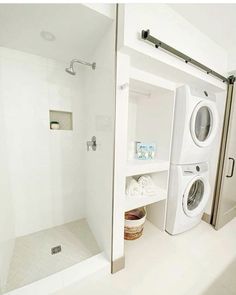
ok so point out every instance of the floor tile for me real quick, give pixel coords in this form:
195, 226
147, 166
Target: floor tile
32, 259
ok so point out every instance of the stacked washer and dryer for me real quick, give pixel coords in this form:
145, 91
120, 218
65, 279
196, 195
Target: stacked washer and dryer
195, 127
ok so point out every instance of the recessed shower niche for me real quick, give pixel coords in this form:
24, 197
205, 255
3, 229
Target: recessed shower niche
60, 120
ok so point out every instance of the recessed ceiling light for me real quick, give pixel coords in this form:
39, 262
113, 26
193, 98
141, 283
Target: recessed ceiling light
48, 36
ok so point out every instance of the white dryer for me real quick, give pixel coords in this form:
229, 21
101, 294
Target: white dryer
189, 191
195, 126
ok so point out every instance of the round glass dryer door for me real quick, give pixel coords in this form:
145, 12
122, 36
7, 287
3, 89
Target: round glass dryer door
196, 196
204, 123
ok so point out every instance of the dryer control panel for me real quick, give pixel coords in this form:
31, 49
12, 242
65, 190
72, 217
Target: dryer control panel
194, 168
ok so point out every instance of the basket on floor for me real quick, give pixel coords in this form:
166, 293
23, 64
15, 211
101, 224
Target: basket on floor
134, 223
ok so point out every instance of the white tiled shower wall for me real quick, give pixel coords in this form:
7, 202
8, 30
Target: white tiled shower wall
100, 106
7, 220
40, 169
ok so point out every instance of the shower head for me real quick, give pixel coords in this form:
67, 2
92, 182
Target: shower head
70, 70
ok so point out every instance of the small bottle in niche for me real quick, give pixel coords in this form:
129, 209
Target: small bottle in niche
54, 125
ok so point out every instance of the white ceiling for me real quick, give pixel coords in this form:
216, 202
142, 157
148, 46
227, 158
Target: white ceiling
218, 21
77, 29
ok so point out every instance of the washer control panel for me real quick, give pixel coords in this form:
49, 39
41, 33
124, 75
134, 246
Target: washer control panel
195, 168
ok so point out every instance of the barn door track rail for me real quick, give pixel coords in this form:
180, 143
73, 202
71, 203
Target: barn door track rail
159, 44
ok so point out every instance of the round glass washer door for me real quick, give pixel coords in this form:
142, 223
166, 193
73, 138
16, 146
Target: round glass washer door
196, 196
204, 123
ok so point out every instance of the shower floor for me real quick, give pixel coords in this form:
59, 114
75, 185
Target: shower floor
32, 259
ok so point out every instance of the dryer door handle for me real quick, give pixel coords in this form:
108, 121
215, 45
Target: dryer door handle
232, 169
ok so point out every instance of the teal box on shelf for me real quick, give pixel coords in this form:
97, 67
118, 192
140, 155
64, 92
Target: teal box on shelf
145, 151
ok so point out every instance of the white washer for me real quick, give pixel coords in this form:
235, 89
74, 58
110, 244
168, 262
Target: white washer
195, 126
189, 191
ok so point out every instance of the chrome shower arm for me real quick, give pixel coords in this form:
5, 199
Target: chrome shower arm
93, 65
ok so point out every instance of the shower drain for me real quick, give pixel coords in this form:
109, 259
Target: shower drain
55, 250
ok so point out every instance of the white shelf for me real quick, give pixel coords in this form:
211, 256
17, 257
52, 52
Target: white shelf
138, 167
132, 202
151, 79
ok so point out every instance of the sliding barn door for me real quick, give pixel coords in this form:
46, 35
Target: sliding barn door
225, 207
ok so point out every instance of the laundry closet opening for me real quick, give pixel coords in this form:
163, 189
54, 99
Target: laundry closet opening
172, 117
172, 130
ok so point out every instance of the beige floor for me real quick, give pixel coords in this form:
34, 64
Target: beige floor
32, 259
201, 261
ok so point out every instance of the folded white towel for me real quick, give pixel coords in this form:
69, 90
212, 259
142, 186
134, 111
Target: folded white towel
133, 188
148, 186
145, 180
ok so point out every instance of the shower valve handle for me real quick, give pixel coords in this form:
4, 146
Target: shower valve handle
92, 144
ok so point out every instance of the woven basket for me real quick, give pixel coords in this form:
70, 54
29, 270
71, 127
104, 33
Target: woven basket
134, 223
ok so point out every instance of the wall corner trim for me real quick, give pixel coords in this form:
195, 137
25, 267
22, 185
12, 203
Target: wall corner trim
118, 264
206, 217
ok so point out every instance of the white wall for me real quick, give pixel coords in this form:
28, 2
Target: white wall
121, 136
107, 9
7, 218
232, 62
100, 104
45, 166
